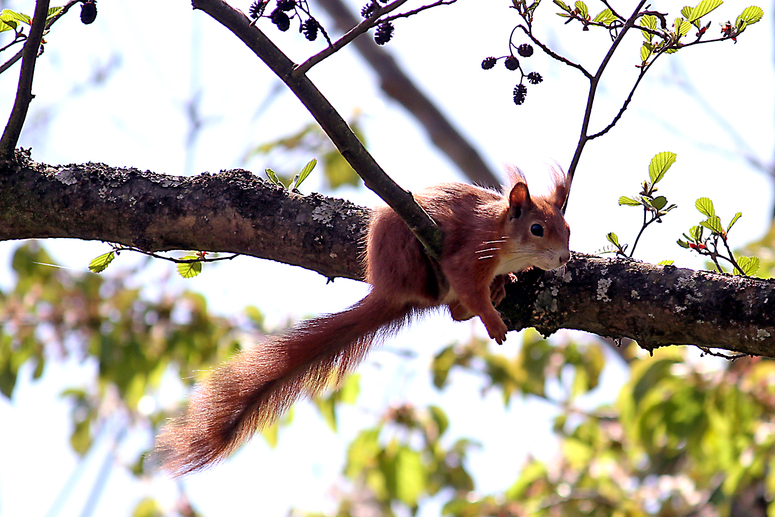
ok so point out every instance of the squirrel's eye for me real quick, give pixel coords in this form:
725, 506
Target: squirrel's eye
537, 230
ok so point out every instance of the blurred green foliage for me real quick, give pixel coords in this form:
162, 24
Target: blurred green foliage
684, 435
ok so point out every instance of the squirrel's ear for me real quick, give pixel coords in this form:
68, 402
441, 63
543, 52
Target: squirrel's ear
519, 199
559, 195
561, 187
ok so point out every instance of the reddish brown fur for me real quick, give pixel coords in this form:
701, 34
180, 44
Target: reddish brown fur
486, 235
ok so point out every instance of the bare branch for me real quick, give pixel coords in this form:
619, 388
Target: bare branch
553, 54
407, 14
8, 64
593, 84
24, 91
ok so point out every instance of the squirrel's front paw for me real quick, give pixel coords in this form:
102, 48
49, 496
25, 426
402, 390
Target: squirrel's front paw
497, 330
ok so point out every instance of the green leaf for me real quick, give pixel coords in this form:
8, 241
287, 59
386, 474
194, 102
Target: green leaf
190, 269
705, 206
562, 5
749, 15
53, 11
327, 409
645, 52
703, 8
613, 239
683, 244
441, 365
681, 27
628, 201
273, 177
362, 452
8, 15
659, 165
583, 10
713, 224
659, 202
99, 264
304, 173
669, 262
696, 233
734, 220
605, 16
686, 12
148, 507
749, 265
440, 419
351, 388
529, 474
271, 434
650, 22
410, 476
81, 439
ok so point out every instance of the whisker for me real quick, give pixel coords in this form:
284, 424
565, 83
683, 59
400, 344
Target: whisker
486, 250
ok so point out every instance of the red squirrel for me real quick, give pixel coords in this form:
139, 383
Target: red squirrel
487, 235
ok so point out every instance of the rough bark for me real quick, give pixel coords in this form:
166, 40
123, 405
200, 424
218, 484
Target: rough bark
234, 211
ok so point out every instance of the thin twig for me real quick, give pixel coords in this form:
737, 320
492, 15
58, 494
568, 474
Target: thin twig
553, 54
118, 248
626, 103
353, 33
24, 91
593, 84
8, 64
732, 256
407, 14
642, 229
18, 39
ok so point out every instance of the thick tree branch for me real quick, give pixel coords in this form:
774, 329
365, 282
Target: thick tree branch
233, 211
236, 212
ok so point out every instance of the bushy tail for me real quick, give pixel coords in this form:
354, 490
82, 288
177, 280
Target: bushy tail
256, 386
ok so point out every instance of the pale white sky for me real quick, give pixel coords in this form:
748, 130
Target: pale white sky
136, 119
